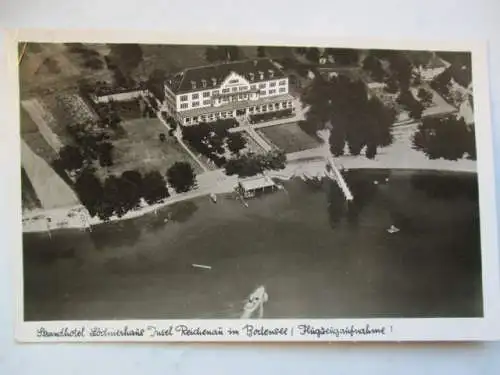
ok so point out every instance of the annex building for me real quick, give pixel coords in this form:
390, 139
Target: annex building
227, 90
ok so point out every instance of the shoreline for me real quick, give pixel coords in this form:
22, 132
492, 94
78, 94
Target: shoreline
77, 217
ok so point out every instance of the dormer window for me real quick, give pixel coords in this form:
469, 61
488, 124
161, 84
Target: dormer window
204, 83
193, 84
261, 75
252, 76
271, 73
214, 81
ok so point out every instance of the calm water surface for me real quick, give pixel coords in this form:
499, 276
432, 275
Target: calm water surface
316, 258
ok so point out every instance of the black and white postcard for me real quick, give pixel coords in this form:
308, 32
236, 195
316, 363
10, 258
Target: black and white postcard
252, 189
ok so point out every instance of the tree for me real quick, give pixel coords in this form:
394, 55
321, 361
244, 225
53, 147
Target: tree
252, 164
344, 56
131, 186
354, 118
90, 191
154, 188
391, 85
236, 142
402, 69
181, 177
211, 54
412, 105
441, 83
449, 138
105, 154
71, 158
222, 53
425, 97
371, 150
313, 55
337, 140
373, 66
112, 202
301, 50
231, 53
156, 82
127, 56
261, 51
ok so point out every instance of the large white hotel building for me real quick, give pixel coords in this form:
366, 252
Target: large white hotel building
228, 90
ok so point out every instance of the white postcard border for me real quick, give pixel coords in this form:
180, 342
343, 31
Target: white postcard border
401, 329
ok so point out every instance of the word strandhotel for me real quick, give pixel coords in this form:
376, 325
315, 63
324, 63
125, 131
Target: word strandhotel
228, 90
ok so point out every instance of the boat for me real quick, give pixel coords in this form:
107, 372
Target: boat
213, 197
393, 229
255, 301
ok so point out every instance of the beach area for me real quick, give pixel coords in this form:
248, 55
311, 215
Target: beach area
315, 258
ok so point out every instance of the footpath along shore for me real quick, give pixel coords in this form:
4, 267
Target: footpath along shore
303, 164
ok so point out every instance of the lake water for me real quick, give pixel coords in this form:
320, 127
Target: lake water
316, 257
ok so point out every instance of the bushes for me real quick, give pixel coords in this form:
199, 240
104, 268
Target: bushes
253, 164
208, 139
267, 116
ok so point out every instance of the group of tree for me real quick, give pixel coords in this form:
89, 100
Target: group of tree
108, 114
373, 66
127, 56
252, 164
353, 118
447, 137
119, 194
91, 142
411, 104
442, 83
156, 84
181, 177
222, 53
209, 139
90, 57
312, 54
122, 61
343, 56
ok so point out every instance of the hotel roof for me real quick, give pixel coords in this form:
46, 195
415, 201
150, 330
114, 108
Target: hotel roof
211, 76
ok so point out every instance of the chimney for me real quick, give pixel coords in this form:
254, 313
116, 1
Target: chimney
261, 75
193, 84
214, 81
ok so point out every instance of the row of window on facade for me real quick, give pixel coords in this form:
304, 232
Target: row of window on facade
232, 98
230, 114
207, 94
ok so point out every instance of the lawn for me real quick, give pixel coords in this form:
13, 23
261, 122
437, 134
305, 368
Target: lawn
140, 149
289, 137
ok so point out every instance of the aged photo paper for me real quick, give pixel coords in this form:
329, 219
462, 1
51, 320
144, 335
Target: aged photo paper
250, 188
